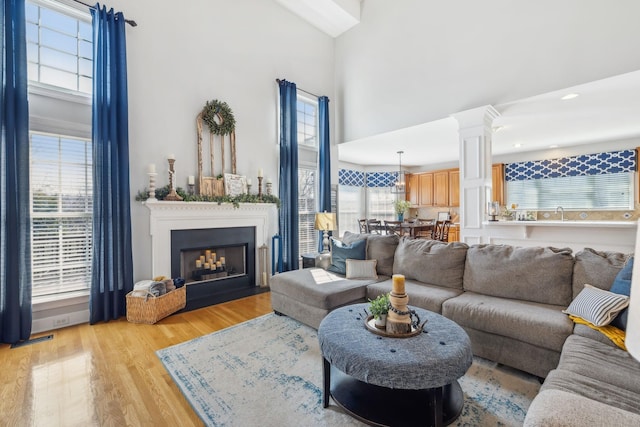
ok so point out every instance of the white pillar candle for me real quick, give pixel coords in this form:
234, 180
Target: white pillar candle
191, 180
248, 181
260, 173
171, 157
152, 168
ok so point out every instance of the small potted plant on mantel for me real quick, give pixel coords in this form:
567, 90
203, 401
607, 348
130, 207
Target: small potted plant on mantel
400, 206
379, 308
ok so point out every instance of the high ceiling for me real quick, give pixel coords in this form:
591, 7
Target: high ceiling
607, 109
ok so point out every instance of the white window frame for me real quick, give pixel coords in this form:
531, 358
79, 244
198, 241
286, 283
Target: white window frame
66, 113
308, 159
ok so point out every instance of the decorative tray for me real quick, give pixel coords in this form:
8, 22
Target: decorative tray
370, 324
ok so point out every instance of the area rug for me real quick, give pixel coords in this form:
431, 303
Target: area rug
268, 372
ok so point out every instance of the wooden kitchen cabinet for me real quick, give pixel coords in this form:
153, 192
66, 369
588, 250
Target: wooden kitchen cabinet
441, 188
425, 189
497, 181
454, 188
413, 189
454, 233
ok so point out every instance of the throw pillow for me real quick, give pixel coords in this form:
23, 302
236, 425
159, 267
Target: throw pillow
340, 252
597, 306
365, 269
622, 285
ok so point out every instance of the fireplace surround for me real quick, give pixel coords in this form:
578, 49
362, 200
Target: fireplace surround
260, 220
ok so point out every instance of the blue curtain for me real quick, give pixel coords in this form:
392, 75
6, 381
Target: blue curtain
112, 267
15, 239
324, 161
288, 186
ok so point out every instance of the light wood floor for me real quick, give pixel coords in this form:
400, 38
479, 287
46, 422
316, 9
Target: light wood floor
108, 374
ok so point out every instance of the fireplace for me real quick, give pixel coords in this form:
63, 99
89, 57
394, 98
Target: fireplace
183, 232
218, 264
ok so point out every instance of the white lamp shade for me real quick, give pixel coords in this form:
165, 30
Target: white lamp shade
325, 221
632, 340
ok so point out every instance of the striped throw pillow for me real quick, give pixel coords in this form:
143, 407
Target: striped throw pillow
597, 306
361, 269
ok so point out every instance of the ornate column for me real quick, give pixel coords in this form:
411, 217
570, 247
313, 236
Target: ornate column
474, 128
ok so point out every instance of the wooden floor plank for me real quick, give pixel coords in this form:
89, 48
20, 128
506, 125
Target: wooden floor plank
108, 374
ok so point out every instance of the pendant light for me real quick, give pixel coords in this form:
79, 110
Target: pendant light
400, 186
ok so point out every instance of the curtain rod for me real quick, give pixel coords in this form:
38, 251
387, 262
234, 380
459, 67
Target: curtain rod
301, 90
128, 21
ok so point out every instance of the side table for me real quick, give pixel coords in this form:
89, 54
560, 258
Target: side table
394, 381
309, 260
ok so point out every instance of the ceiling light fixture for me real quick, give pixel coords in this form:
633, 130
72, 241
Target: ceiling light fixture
400, 186
570, 96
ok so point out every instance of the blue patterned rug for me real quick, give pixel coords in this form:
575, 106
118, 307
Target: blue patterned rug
268, 372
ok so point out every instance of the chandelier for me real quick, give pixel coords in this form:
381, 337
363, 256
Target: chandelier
400, 186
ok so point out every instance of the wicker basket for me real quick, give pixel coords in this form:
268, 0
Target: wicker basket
151, 309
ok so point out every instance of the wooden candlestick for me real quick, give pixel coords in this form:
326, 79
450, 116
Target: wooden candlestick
172, 196
259, 187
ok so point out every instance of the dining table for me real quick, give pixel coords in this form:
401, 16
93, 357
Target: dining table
413, 228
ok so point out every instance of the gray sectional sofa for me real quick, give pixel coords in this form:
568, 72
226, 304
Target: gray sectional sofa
509, 300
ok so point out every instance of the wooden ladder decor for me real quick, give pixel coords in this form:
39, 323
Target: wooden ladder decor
211, 185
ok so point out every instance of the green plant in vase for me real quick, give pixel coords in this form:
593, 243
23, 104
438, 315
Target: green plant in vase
379, 308
400, 207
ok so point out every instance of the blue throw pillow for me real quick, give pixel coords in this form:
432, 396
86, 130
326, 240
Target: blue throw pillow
341, 252
622, 285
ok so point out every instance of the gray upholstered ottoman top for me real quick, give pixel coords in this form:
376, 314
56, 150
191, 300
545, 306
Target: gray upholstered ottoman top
428, 360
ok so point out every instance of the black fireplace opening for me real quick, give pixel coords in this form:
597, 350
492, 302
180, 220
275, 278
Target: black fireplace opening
218, 264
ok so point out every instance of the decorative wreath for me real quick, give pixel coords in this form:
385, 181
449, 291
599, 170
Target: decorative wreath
220, 111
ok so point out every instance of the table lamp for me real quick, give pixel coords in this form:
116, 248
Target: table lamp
632, 339
325, 222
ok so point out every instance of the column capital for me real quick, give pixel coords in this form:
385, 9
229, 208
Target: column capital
476, 117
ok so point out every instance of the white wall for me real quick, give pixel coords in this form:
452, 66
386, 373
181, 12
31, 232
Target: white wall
183, 54
416, 61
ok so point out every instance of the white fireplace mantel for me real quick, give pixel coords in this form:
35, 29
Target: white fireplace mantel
168, 216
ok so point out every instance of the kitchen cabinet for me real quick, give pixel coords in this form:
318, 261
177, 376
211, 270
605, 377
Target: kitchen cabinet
454, 233
497, 181
454, 188
425, 189
412, 189
441, 188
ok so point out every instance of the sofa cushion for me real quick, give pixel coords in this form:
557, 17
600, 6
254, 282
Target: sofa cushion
431, 261
379, 247
622, 285
597, 268
319, 288
361, 269
543, 325
534, 274
586, 357
340, 252
421, 295
597, 306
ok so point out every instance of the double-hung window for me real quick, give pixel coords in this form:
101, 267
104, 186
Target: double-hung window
59, 50
307, 113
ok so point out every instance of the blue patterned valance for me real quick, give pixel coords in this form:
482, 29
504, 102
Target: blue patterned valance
587, 164
381, 179
351, 178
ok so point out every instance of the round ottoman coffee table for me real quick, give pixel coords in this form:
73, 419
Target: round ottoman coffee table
394, 381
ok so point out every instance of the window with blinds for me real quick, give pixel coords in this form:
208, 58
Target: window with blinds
61, 212
597, 181
380, 203
307, 114
307, 235
351, 208
591, 192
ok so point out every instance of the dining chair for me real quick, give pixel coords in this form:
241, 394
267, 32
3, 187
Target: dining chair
429, 233
362, 225
393, 227
442, 230
374, 226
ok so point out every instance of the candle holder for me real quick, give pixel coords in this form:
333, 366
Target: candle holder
191, 189
494, 211
172, 196
152, 186
248, 188
259, 187
269, 188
